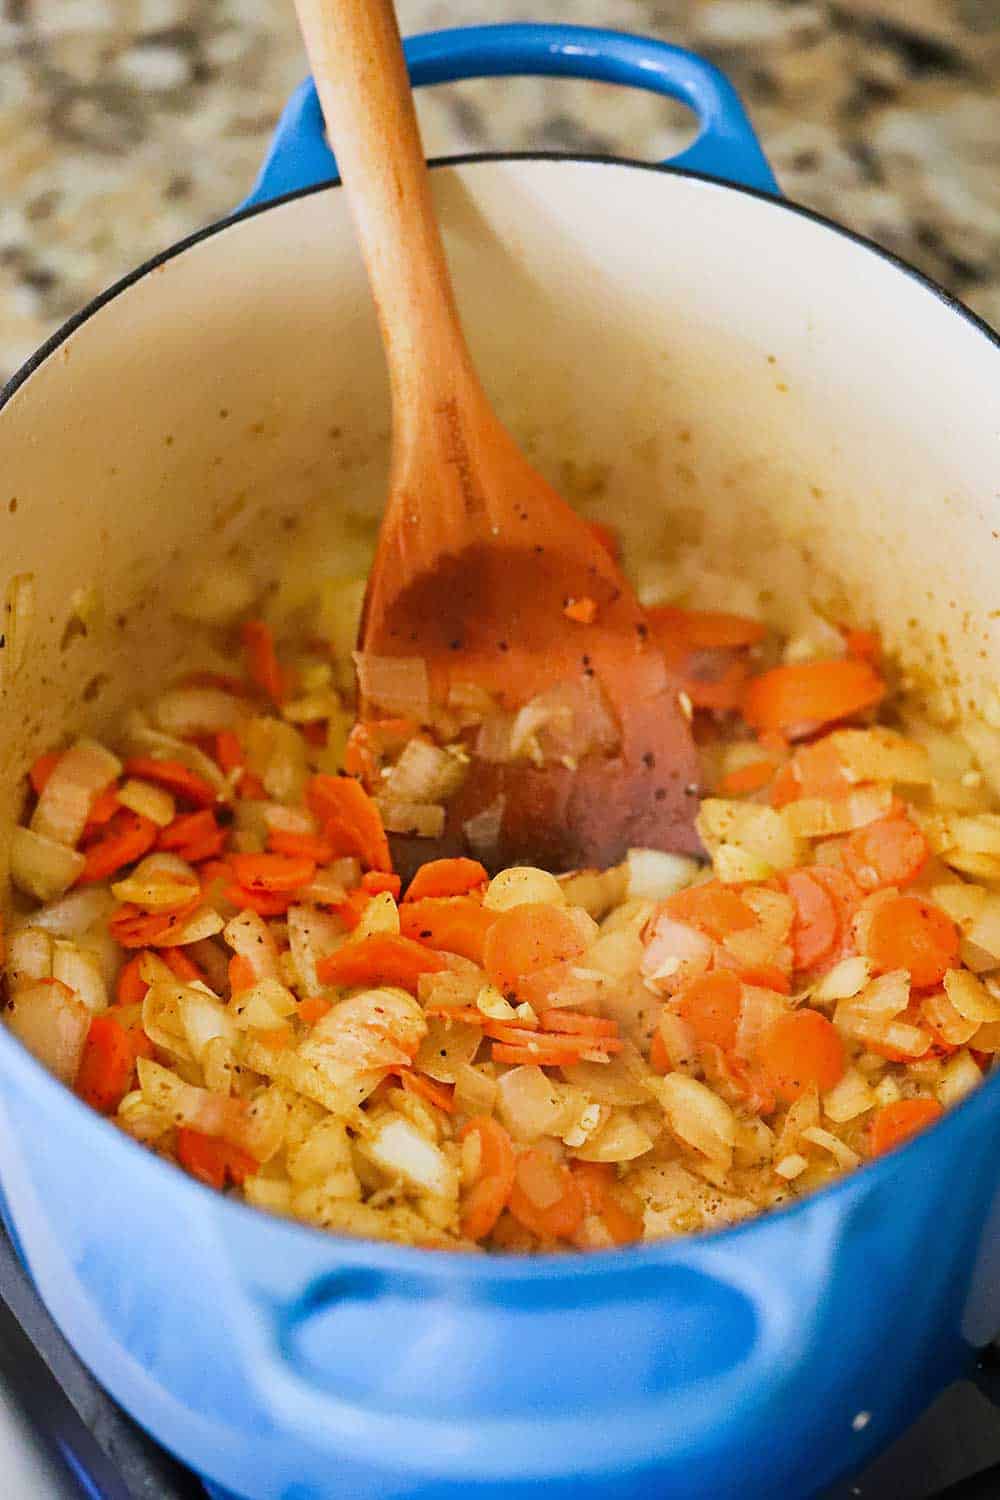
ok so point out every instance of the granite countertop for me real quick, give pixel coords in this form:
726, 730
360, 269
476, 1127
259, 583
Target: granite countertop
125, 124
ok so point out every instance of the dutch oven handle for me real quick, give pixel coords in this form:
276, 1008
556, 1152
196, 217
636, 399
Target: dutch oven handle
726, 146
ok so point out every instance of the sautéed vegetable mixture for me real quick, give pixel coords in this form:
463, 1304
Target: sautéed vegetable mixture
211, 946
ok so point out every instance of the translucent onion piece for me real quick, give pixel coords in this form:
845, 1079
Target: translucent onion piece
204, 1020
81, 973
80, 775
845, 1158
425, 773
395, 684
970, 997
475, 1093
447, 1049
959, 1076
49, 1020
483, 831
698, 1117
201, 924
939, 1013
264, 1005
249, 936
622, 1138
29, 956
312, 935
759, 1009
530, 1104
74, 914
188, 711
423, 820
397, 1147
149, 801
41, 866
521, 885
848, 1098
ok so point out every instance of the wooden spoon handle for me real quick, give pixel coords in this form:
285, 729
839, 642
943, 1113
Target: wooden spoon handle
360, 72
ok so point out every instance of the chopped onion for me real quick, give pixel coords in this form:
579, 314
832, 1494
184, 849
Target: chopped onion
395, 684
418, 819
162, 1014
80, 972
204, 1019
143, 738
203, 923
698, 1117
448, 1047
475, 1093
263, 1005
940, 1014
160, 882
149, 801
531, 1104
654, 875
256, 1128
80, 774
482, 832
328, 886
622, 1080
425, 773
280, 819
249, 936
762, 831
522, 885
970, 997
846, 979
759, 1009
29, 957
312, 936
190, 711
49, 1020
674, 953
276, 752
398, 1148
845, 1158
75, 913
850, 1096
381, 915
621, 1138
959, 1076
41, 866
881, 755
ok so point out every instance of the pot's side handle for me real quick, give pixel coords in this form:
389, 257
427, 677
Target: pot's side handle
726, 146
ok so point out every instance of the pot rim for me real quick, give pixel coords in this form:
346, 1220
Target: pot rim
436, 1265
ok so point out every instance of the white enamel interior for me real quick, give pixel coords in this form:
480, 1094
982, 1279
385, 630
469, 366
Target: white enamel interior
689, 361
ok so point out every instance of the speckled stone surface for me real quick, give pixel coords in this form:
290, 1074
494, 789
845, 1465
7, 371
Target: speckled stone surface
125, 124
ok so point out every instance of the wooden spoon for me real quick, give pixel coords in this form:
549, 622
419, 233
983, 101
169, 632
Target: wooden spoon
481, 566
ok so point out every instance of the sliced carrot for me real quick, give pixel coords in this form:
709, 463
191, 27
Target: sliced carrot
194, 836
380, 959
470, 1014
746, 779
446, 877
314, 1008
896, 1123
301, 845
441, 1095
213, 1161
702, 629
909, 933
866, 644
369, 740
175, 776
106, 1065
42, 768
264, 903
242, 974
377, 882
890, 851
722, 690
815, 927
275, 1037
798, 699
545, 1197
131, 987
762, 976
582, 611
451, 924
556, 1055
575, 1022
134, 928
228, 751
526, 939
710, 1005
487, 1198
350, 818
659, 1057
262, 660
250, 788
748, 1081
607, 537
129, 1018
102, 809
800, 1049
128, 838
182, 966
272, 873
712, 908
597, 1181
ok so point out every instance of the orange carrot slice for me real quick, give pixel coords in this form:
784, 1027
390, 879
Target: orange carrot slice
128, 838
487, 1198
213, 1161
106, 1066
380, 959
800, 1049
272, 873
890, 851
526, 939
175, 776
711, 1006
262, 660
452, 924
351, 820
446, 877
896, 1123
909, 933
815, 928
797, 699
545, 1197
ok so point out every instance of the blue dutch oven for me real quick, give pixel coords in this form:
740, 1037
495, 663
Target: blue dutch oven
712, 351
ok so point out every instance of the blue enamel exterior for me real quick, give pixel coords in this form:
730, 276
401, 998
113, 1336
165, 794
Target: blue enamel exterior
726, 146
285, 1364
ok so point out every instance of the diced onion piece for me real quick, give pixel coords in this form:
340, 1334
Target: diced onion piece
884, 997
622, 1080
887, 1091
959, 1076
21, 604
522, 885
278, 818
264, 1005
423, 820
846, 979
142, 737
674, 953
256, 1128
988, 1037
149, 801
52, 1023
530, 1104
328, 887
29, 956
249, 936
204, 1019
81, 773
160, 882
759, 1009
276, 752
653, 875
162, 1014
74, 914
482, 833
425, 773
940, 1014
397, 1147
380, 915
596, 891
760, 831
394, 684
976, 835
41, 866
188, 711
882, 755
492, 1003
621, 1138
312, 936
970, 997
203, 923
812, 818
842, 1154
81, 973
848, 1098
735, 865
698, 1117
791, 1166
897, 1036
447, 1049
475, 1093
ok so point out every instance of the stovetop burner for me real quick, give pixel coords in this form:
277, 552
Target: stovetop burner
951, 1453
